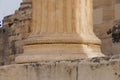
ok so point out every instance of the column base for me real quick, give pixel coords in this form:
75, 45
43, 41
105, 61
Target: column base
61, 38
53, 52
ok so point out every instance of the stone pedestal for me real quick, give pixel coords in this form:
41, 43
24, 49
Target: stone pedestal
61, 30
96, 69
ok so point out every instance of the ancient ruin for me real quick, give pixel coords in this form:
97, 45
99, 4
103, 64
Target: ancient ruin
16, 27
61, 30
20, 21
55, 40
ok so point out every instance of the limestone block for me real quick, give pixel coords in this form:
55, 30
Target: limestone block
117, 1
108, 11
97, 4
117, 11
94, 69
98, 16
115, 48
107, 3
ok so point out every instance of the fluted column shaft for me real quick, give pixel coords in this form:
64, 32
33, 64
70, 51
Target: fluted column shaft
62, 21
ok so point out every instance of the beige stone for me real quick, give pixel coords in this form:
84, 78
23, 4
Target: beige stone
117, 11
15, 28
98, 16
61, 30
110, 17
95, 69
23, 16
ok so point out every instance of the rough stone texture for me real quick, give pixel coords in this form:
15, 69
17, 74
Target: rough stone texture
106, 15
102, 24
15, 28
94, 69
1, 49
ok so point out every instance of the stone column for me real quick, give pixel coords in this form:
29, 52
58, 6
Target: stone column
61, 30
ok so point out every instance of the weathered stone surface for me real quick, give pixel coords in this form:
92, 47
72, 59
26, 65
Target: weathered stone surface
109, 16
72, 34
94, 69
24, 13
15, 28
